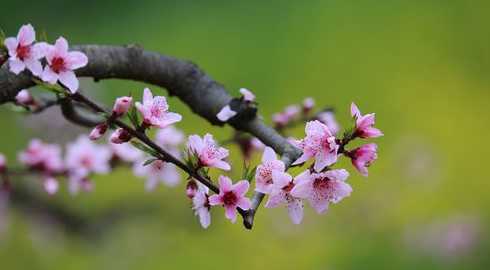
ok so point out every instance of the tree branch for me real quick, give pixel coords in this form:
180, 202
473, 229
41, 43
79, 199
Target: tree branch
181, 78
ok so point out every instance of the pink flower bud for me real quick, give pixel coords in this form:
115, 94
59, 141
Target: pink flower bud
122, 105
362, 157
191, 189
24, 98
120, 136
50, 185
308, 105
98, 131
3, 163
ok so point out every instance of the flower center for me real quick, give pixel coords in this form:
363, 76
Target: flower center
58, 64
23, 52
86, 162
320, 183
230, 198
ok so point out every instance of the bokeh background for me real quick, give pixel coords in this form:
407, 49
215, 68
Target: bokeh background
422, 66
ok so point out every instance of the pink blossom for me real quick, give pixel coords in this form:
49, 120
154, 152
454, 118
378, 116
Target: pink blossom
23, 53
225, 114
121, 106
281, 194
157, 172
24, 98
247, 95
126, 152
61, 64
362, 157
98, 131
320, 144
231, 196
155, 111
50, 185
208, 152
84, 157
321, 189
43, 157
263, 174
364, 124
283, 118
328, 118
201, 206
120, 136
308, 105
3, 163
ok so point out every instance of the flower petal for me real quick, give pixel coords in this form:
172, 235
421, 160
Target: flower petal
275, 199
68, 79
230, 213
339, 175
204, 217
354, 111
225, 183
225, 114
34, 66
11, 44
147, 96
295, 210
241, 187
49, 75
268, 155
215, 200
26, 35
16, 66
76, 60
244, 203
61, 47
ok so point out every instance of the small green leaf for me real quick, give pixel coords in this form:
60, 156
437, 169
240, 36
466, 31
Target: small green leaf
55, 88
144, 148
133, 117
150, 161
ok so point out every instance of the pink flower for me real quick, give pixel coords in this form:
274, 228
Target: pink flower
24, 98
61, 64
23, 53
362, 157
50, 185
283, 118
263, 174
281, 194
231, 196
121, 106
120, 136
226, 113
43, 157
98, 131
84, 157
155, 111
320, 144
208, 152
364, 124
328, 118
201, 206
157, 172
308, 105
3, 163
321, 189
247, 95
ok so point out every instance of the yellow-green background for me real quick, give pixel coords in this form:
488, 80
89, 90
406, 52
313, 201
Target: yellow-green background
422, 66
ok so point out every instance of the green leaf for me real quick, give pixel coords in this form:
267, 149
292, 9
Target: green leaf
133, 117
144, 148
55, 88
150, 161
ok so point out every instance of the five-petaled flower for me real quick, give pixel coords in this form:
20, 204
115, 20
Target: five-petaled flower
201, 206
321, 189
281, 194
155, 111
231, 196
24, 53
320, 144
364, 124
42, 157
263, 174
61, 64
362, 157
209, 154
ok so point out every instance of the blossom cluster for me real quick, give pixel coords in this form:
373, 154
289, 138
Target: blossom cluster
320, 184
25, 53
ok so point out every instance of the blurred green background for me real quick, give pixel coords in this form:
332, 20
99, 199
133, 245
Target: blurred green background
422, 66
